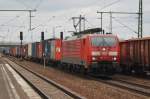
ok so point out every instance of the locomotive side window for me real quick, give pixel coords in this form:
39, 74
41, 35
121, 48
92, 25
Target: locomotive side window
103, 41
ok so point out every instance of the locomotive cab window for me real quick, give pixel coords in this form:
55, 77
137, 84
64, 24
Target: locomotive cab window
103, 41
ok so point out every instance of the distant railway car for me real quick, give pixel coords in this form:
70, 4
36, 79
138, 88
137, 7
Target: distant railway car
6, 50
92, 52
25, 50
18, 51
46, 49
14, 50
29, 50
11, 51
55, 52
135, 55
34, 50
39, 51
52, 49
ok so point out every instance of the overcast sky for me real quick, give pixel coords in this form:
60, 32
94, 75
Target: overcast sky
58, 13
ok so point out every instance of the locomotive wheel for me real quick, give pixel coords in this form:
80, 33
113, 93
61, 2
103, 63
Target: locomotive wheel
83, 70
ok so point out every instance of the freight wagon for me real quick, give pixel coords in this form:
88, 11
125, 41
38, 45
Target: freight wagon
52, 50
18, 51
29, 50
14, 51
39, 51
25, 51
6, 50
34, 50
135, 55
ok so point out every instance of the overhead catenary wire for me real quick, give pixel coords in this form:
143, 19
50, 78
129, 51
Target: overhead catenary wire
110, 4
89, 23
38, 4
28, 6
23, 3
124, 25
9, 27
16, 17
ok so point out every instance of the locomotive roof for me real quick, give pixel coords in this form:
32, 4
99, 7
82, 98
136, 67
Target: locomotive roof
89, 35
89, 31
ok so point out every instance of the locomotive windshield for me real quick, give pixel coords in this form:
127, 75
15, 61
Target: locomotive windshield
104, 41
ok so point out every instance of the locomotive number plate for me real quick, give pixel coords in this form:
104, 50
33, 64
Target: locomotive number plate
104, 53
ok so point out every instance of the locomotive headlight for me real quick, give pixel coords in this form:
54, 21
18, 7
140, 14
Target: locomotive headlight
113, 53
104, 49
93, 58
114, 58
95, 53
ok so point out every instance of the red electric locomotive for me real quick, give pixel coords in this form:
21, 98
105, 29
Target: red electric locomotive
91, 52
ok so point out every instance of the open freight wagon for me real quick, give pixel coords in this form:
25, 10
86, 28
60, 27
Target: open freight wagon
135, 55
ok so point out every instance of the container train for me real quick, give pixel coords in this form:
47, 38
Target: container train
91, 52
87, 51
135, 55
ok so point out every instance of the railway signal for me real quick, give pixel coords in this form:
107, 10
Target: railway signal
43, 46
42, 36
21, 38
21, 35
61, 36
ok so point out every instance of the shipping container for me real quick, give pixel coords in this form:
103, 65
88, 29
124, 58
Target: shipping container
46, 45
30, 50
33, 50
25, 50
52, 49
39, 50
18, 51
55, 50
14, 51
6, 50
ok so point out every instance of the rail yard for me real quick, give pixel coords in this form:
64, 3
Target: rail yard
43, 56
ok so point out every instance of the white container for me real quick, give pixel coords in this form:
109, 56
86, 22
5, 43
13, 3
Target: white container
30, 50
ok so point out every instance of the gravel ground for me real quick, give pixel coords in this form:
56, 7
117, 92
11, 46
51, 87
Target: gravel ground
140, 81
88, 88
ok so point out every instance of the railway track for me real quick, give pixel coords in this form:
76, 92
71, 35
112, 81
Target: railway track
134, 84
130, 86
65, 92
133, 87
